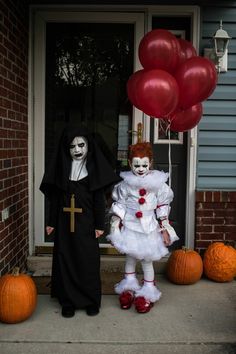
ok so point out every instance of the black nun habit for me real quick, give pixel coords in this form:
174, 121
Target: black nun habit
76, 257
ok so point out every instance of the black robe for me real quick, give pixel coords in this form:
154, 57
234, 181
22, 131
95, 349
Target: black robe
76, 257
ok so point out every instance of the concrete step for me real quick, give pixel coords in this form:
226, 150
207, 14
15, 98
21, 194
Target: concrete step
117, 348
112, 269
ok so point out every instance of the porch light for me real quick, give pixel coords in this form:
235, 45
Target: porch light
219, 54
221, 41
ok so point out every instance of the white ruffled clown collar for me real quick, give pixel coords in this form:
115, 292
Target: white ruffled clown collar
151, 182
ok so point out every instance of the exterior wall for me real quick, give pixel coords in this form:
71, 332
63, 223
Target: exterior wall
216, 169
215, 218
215, 210
13, 133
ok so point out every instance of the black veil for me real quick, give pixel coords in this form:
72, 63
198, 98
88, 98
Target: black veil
100, 173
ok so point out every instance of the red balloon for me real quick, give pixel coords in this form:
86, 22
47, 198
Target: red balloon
197, 79
182, 121
157, 93
187, 50
159, 49
132, 85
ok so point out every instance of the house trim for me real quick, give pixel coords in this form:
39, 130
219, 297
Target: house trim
36, 216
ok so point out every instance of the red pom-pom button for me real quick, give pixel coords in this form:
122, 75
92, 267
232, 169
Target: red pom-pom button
142, 192
139, 214
141, 200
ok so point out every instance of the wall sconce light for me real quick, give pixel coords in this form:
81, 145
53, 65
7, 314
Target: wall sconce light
219, 54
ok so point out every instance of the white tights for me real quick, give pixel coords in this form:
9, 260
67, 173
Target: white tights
148, 290
147, 266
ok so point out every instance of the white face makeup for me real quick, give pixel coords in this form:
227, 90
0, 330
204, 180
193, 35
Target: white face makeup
140, 166
78, 148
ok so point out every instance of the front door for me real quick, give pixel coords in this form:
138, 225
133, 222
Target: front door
81, 64
87, 61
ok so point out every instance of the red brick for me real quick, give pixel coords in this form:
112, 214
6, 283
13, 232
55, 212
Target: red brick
231, 206
7, 63
209, 196
220, 213
230, 236
202, 244
3, 154
225, 196
3, 71
232, 196
11, 76
205, 213
224, 213
230, 220
3, 50
212, 236
214, 205
216, 196
4, 252
204, 228
11, 114
3, 92
3, 112
198, 221
13, 108
200, 196
225, 228
213, 221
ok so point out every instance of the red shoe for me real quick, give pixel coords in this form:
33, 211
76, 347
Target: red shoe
126, 299
142, 305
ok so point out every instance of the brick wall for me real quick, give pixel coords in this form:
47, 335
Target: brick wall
215, 218
13, 133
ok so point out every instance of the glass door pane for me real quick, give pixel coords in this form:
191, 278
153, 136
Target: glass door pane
87, 68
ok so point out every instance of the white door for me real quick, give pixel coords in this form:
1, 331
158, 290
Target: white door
56, 96
82, 61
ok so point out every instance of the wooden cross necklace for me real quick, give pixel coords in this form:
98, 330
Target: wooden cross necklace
72, 209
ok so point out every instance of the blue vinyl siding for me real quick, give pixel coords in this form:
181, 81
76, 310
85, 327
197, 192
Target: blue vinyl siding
220, 122
212, 168
219, 107
216, 169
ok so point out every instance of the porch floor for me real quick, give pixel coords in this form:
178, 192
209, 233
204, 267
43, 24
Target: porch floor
199, 318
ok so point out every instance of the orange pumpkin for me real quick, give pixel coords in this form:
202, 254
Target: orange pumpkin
219, 262
184, 266
18, 297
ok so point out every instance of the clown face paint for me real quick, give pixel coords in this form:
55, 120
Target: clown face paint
78, 148
140, 166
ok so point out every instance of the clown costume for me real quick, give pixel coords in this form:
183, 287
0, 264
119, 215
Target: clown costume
140, 227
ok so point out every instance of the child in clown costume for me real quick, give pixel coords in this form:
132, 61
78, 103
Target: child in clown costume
140, 227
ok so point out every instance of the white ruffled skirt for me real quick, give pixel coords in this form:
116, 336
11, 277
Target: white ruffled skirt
142, 246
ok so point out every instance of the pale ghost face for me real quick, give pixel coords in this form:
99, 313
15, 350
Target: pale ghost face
140, 166
78, 148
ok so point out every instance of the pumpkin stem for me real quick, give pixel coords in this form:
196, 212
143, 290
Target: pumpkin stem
184, 248
16, 271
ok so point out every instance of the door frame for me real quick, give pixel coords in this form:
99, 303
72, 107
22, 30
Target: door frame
141, 17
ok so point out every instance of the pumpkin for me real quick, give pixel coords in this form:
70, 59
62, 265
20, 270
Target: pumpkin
184, 266
219, 262
18, 297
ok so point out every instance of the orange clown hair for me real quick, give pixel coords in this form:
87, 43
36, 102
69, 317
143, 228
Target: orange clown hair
140, 150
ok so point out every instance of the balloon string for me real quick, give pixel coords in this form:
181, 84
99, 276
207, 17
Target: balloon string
169, 153
166, 129
163, 126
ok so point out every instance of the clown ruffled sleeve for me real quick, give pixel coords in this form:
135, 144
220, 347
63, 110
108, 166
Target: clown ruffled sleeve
164, 198
119, 195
